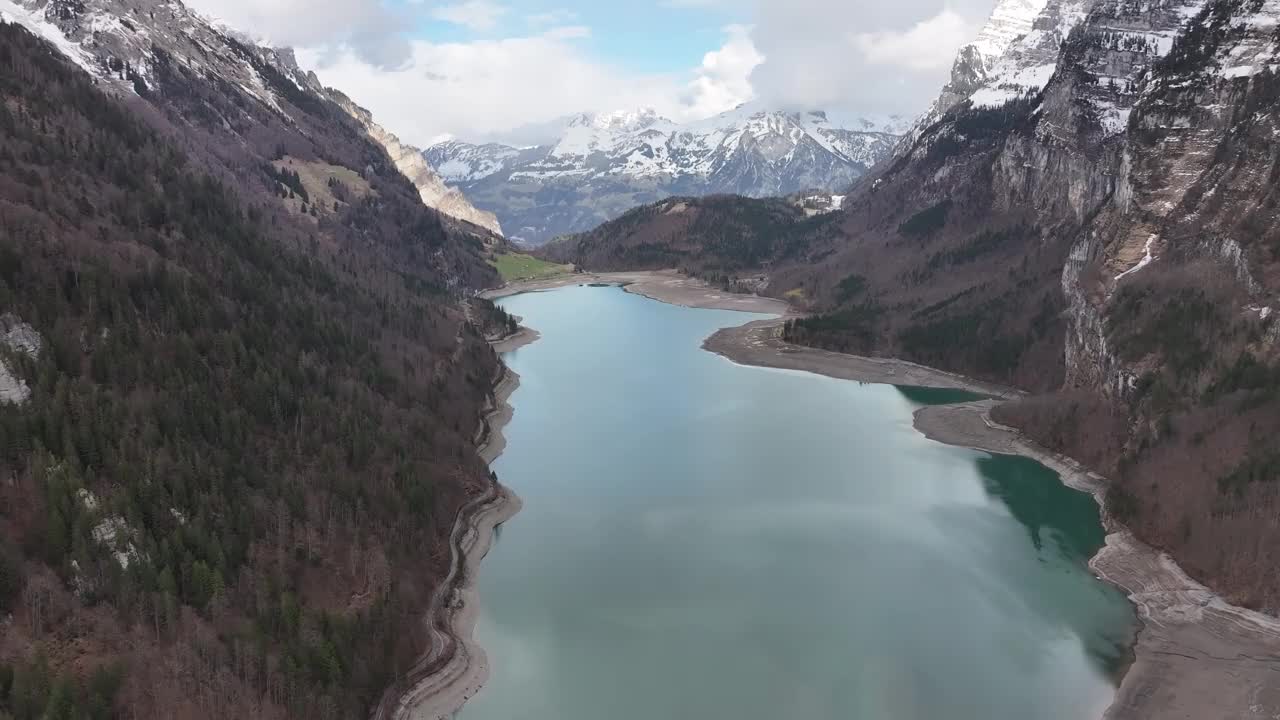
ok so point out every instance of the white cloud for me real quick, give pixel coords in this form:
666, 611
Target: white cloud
844, 56
724, 80
558, 16
370, 28
859, 56
481, 89
928, 45
485, 89
568, 32
481, 15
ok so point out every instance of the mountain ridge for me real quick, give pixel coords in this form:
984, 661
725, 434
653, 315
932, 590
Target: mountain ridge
97, 35
602, 165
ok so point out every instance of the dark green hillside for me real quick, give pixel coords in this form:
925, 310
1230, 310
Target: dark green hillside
720, 237
233, 479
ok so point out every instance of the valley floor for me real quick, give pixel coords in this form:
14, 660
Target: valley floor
1196, 656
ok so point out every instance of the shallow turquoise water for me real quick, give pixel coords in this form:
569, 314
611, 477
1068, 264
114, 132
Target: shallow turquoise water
705, 540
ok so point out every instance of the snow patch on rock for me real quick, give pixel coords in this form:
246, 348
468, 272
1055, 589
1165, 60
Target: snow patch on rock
1013, 85
37, 22
1010, 20
1259, 46
1031, 60
1147, 258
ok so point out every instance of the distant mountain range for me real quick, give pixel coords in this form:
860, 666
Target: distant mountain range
601, 165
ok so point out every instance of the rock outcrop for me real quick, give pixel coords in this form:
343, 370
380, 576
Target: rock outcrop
411, 161
16, 338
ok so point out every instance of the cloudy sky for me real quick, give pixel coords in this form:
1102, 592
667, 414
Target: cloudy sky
507, 69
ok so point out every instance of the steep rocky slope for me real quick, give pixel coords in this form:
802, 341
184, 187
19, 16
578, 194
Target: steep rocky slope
1010, 21
1095, 221
123, 40
602, 165
240, 392
1170, 297
411, 161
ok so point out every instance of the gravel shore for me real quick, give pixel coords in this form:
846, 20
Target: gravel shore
460, 665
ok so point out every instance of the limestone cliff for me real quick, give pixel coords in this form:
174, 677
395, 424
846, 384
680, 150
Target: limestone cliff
411, 162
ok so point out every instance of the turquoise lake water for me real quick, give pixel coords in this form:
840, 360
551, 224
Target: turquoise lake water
705, 540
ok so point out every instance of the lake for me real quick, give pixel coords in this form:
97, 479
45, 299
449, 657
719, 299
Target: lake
701, 539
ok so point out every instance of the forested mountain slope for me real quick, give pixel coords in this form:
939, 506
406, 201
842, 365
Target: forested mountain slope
1097, 223
725, 238
237, 391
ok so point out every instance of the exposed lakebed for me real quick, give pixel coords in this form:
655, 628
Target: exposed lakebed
702, 539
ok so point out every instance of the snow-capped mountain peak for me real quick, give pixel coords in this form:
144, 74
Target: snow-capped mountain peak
619, 120
1010, 24
612, 161
590, 133
1010, 20
1031, 59
124, 44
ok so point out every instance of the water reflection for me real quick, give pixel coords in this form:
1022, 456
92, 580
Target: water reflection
937, 396
1066, 518
704, 540
1064, 528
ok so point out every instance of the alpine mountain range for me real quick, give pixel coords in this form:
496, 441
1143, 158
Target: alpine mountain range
601, 165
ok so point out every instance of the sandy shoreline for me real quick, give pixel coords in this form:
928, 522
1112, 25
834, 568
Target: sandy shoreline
439, 694
1195, 655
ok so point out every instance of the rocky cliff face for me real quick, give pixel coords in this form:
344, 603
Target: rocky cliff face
603, 165
412, 162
